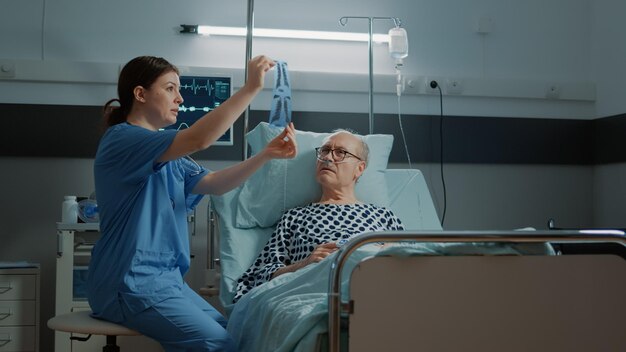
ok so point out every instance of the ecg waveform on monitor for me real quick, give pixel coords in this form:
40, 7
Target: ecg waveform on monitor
201, 95
195, 87
184, 108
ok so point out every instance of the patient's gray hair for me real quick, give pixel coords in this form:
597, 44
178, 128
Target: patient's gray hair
364, 153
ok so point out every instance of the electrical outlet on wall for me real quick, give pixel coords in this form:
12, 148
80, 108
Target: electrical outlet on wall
414, 85
553, 91
454, 86
429, 85
7, 69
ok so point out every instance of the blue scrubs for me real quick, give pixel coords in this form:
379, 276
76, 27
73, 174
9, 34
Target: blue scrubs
137, 266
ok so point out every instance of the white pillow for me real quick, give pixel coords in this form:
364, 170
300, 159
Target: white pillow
283, 184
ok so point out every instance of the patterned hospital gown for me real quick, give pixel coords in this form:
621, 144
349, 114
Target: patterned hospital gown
302, 229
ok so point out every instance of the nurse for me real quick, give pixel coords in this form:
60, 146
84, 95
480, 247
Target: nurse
146, 184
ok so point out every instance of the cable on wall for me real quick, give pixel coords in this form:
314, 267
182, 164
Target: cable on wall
435, 85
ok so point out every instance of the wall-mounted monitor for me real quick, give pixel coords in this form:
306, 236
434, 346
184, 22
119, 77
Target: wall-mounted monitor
202, 94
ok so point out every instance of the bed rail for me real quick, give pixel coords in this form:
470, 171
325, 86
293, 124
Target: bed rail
337, 308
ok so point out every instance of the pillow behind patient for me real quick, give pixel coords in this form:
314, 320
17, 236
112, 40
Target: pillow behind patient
282, 184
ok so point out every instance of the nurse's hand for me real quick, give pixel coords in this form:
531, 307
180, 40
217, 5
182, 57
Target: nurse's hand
257, 67
284, 146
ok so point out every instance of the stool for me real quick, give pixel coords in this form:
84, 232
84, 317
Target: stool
82, 323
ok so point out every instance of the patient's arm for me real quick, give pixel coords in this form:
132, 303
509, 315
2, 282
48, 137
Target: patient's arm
274, 256
320, 252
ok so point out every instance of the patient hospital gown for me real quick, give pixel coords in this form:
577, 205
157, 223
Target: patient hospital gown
302, 229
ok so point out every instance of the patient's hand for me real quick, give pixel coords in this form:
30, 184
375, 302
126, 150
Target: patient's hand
320, 252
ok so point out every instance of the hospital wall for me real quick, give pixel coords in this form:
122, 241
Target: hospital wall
608, 51
533, 45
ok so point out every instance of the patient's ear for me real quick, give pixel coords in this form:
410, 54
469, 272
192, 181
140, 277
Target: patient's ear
360, 169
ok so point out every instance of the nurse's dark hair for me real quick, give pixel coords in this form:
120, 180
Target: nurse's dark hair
140, 71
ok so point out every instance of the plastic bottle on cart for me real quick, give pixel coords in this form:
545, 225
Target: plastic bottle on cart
69, 210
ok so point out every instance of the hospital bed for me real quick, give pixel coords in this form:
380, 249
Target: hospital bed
481, 303
430, 290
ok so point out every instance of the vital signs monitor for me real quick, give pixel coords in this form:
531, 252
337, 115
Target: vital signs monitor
202, 94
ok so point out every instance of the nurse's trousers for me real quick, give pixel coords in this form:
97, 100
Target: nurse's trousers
182, 323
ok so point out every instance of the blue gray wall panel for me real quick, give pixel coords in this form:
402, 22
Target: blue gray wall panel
74, 132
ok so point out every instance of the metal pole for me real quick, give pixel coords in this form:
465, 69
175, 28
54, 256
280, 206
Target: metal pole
343, 21
371, 75
250, 28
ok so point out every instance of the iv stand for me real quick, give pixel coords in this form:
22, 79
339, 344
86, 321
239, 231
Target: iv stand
250, 27
344, 21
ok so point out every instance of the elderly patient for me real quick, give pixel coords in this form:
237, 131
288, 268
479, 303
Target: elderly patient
310, 233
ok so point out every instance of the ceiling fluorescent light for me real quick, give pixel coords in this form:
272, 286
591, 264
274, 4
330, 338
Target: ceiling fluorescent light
286, 33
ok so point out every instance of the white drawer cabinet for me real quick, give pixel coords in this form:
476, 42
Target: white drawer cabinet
68, 253
19, 309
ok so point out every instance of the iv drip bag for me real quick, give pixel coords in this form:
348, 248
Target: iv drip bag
398, 43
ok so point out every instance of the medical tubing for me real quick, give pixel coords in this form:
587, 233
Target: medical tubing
399, 78
285, 186
406, 148
399, 85
327, 161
